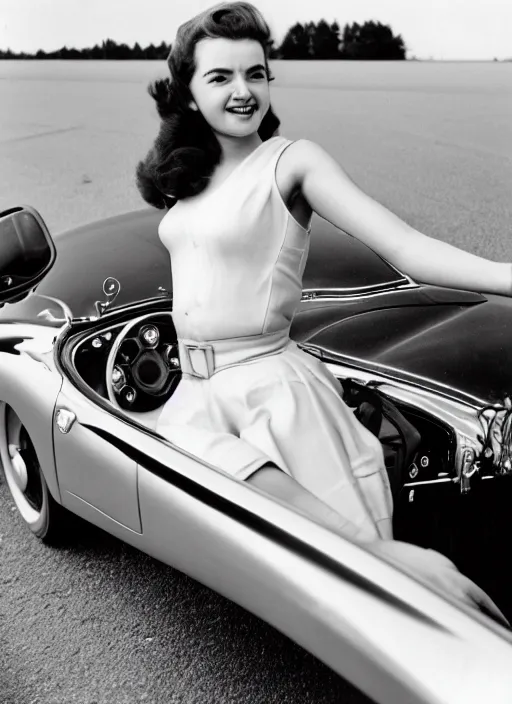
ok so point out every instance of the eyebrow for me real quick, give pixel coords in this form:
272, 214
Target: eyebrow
227, 70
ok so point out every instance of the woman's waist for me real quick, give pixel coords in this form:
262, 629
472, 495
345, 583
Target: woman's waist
202, 358
207, 314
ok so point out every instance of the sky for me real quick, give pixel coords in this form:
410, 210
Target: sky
431, 29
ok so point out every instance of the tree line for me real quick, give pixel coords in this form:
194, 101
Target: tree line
108, 49
369, 41
309, 41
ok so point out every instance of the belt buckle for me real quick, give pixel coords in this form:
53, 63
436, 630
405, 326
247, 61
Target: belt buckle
208, 358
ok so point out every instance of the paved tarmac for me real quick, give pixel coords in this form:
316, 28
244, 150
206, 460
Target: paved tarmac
98, 622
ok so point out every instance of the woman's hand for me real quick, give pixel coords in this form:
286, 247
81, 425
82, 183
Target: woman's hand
436, 569
428, 565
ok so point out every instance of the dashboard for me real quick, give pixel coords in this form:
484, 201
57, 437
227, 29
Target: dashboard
135, 362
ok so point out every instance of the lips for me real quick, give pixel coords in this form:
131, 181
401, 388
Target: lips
242, 110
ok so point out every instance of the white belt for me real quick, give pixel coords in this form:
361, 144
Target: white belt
202, 358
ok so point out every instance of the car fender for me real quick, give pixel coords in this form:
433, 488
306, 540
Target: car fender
30, 383
371, 623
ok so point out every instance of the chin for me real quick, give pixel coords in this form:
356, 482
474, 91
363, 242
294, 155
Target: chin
241, 128
243, 131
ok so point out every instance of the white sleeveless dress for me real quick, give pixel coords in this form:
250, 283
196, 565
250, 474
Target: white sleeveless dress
237, 257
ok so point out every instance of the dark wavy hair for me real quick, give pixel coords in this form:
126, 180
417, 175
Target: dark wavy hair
186, 150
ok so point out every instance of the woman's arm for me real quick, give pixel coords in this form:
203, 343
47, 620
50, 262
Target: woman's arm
333, 196
430, 566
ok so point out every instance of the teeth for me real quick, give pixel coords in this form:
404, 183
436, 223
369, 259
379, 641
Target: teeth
241, 110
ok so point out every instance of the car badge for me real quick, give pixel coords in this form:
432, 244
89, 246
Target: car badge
64, 420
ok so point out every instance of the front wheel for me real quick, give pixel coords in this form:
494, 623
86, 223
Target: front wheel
26, 482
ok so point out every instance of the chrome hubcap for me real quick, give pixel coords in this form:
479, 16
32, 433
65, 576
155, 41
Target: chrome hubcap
22, 470
20, 474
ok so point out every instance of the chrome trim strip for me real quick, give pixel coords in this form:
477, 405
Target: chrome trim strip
472, 401
446, 480
369, 287
401, 273
315, 294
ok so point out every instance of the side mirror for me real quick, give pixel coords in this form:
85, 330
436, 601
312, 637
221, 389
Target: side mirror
27, 252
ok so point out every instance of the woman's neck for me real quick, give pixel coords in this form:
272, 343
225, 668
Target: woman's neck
235, 149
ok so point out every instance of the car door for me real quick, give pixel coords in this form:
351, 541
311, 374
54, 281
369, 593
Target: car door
97, 480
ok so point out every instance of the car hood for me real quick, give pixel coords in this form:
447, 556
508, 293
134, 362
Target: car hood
462, 349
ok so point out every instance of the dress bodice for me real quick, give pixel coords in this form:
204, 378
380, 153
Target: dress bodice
237, 253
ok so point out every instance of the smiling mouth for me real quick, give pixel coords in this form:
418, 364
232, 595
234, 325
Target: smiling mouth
246, 110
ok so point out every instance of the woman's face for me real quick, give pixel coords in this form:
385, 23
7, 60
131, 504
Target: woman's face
230, 74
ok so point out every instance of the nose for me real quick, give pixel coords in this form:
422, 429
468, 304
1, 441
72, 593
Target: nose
241, 90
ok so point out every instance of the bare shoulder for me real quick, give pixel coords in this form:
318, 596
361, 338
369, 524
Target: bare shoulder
290, 173
305, 148
292, 164
301, 164
300, 157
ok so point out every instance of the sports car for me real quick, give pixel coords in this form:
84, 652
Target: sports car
89, 355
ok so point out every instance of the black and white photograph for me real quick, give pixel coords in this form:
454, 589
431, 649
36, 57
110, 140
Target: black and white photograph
255, 352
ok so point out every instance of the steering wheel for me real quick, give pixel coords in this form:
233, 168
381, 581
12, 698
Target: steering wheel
143, 366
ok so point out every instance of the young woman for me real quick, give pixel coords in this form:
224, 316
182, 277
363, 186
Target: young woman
240, 201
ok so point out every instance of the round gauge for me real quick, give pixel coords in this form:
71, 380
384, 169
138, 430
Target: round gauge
128, 394
118, 377
149, 335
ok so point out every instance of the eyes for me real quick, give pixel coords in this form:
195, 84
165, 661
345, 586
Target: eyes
256, 76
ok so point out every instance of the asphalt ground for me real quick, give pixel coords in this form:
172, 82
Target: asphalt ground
95, 621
